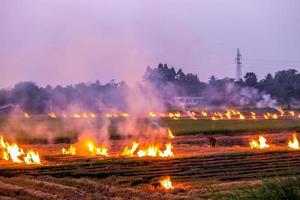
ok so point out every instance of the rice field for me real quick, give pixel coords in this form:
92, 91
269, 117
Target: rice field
197, 171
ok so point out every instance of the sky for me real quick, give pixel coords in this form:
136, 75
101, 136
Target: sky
71, 41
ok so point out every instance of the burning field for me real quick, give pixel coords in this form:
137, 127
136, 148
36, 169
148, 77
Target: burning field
157, 164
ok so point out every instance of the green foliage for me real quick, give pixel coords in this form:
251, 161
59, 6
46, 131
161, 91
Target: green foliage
278, 189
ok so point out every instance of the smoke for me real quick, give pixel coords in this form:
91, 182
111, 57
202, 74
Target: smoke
142, 99
231, 94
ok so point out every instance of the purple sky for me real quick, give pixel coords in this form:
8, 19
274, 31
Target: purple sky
70, 41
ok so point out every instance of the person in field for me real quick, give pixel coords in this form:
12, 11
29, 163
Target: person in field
212, 141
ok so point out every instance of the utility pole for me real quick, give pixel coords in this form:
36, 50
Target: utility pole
238, 65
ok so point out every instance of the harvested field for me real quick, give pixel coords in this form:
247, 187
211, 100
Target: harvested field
197, 171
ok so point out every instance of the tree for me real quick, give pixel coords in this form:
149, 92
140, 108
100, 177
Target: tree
250, 79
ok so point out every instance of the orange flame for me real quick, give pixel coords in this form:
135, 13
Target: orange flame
261, 143
170, 134
26, 115
70, 151
52, 115
294, 144
94, 150
16, 154
130, 151
166, 183
167, 152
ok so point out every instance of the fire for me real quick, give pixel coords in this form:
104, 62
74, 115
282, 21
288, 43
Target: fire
294, 144
292, 113
130, 151
167, 152
70, 151
261, 143
94, 150
84, 115
204, 114
150, 151
16, 154
26, 115
242, 117
170, 134
92, 115
280, 110
76, 115
166, 183
86, 147
152, 114
274, 116
32, 158
52, 115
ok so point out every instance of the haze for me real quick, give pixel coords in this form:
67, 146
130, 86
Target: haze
66, 42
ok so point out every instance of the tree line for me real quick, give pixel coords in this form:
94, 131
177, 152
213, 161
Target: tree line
283, 86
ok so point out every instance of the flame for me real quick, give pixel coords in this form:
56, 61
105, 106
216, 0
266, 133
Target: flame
52, 115
253, 115
274, 116
32, 158
16, 154
108, 115
261, 143
76, 115
228, 115
280, 110
70, 151
86, 146
242, 117
92, 115
84, 115
294, 144
292, 113
94, 150
150, 151
26, 115
170, 134
130, 151
167, 152
166, 183
204, 114
152, 114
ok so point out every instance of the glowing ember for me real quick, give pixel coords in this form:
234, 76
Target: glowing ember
166, 183
261, 143
294, 144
